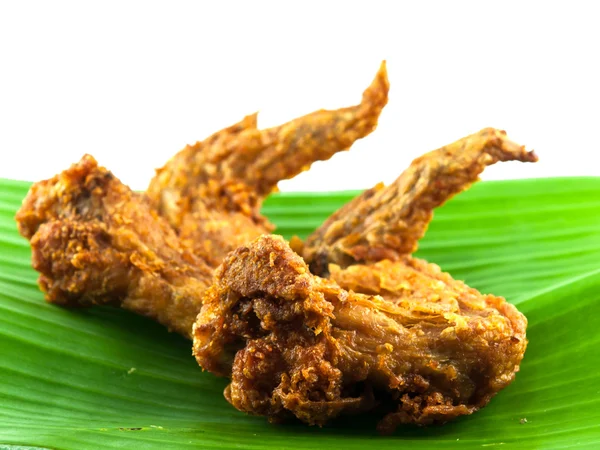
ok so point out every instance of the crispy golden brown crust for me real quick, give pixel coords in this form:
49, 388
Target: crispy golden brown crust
296, 344
94, 241
211, 192
386, 222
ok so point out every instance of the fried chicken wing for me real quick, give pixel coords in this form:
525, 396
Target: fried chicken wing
297, 344
94, 241
385, 331
386, 222
211, 192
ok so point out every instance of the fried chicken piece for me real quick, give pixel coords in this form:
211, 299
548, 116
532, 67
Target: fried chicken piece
386, 222
211, 192
297, 344
94, 242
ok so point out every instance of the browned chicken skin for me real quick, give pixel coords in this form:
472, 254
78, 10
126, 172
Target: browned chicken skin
211, 192
297, 344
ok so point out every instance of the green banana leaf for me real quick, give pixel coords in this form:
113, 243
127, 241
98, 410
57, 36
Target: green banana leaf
103, 378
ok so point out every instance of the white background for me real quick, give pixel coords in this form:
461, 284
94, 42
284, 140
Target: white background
133, 82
